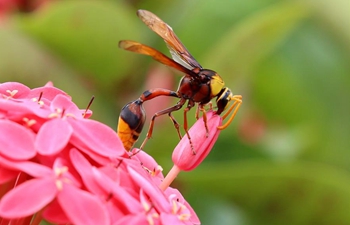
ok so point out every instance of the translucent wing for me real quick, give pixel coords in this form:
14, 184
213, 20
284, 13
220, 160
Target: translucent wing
177, 50
136, 47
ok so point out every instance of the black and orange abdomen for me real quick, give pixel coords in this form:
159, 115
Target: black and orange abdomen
131, 120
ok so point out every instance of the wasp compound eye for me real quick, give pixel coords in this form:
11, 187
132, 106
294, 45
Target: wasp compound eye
131, 120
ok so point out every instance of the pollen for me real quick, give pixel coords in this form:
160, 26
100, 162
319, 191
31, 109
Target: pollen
59, 184
146, 206
57, 113
150, 219
40, 102
29, 122
61, 170
12, 93
184, 217
157, 170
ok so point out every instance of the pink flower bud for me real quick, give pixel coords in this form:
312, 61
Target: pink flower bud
186, 158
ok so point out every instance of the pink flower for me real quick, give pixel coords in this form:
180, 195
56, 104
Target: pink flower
66, 169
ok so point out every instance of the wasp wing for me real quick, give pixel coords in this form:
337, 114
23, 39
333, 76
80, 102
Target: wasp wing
177, 50
136, 47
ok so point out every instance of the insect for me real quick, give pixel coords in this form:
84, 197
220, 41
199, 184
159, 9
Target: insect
198, 85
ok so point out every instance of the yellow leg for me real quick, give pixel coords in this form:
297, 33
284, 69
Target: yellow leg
235, 106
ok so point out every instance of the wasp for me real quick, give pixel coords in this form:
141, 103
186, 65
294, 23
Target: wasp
198, 85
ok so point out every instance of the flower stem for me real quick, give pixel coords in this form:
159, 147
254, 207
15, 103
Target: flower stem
170, 177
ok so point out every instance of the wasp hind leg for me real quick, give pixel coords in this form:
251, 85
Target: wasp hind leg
176, 125
162, 112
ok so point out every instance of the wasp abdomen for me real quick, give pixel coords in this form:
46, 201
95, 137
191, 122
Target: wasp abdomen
131, 120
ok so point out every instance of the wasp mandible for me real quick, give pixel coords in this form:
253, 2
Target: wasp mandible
198, 85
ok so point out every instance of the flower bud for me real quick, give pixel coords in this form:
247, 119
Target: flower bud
186, 158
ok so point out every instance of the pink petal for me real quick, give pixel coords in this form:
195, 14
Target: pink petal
33, 169
49, 84
48, 93
156, 196
122, 198
174, 192
101, 185
194, 218
22, 90
96, 136
64, 103
82, 207
27, 198
16, 142
13, 107
53, 136
97, 159
145, 159
41, 110
84, 168
139, 219
183, 156
117, 171
60, 166
170, 219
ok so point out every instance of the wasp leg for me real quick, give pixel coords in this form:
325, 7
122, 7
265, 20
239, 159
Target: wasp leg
197, 112
152, 93
189, 106
165, 111
210, 106
176, 125
235, 106
204, 112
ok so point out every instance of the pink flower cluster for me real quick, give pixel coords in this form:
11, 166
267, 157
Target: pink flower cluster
60, 166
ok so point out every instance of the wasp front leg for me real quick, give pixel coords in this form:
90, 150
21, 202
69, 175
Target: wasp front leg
235, 105
189, 106
200, 108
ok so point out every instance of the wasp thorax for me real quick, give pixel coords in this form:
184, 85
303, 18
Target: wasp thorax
216, 85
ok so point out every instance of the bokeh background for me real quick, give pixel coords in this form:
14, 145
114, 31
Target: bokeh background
286, 157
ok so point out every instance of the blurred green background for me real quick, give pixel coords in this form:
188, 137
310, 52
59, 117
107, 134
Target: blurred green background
286, 157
